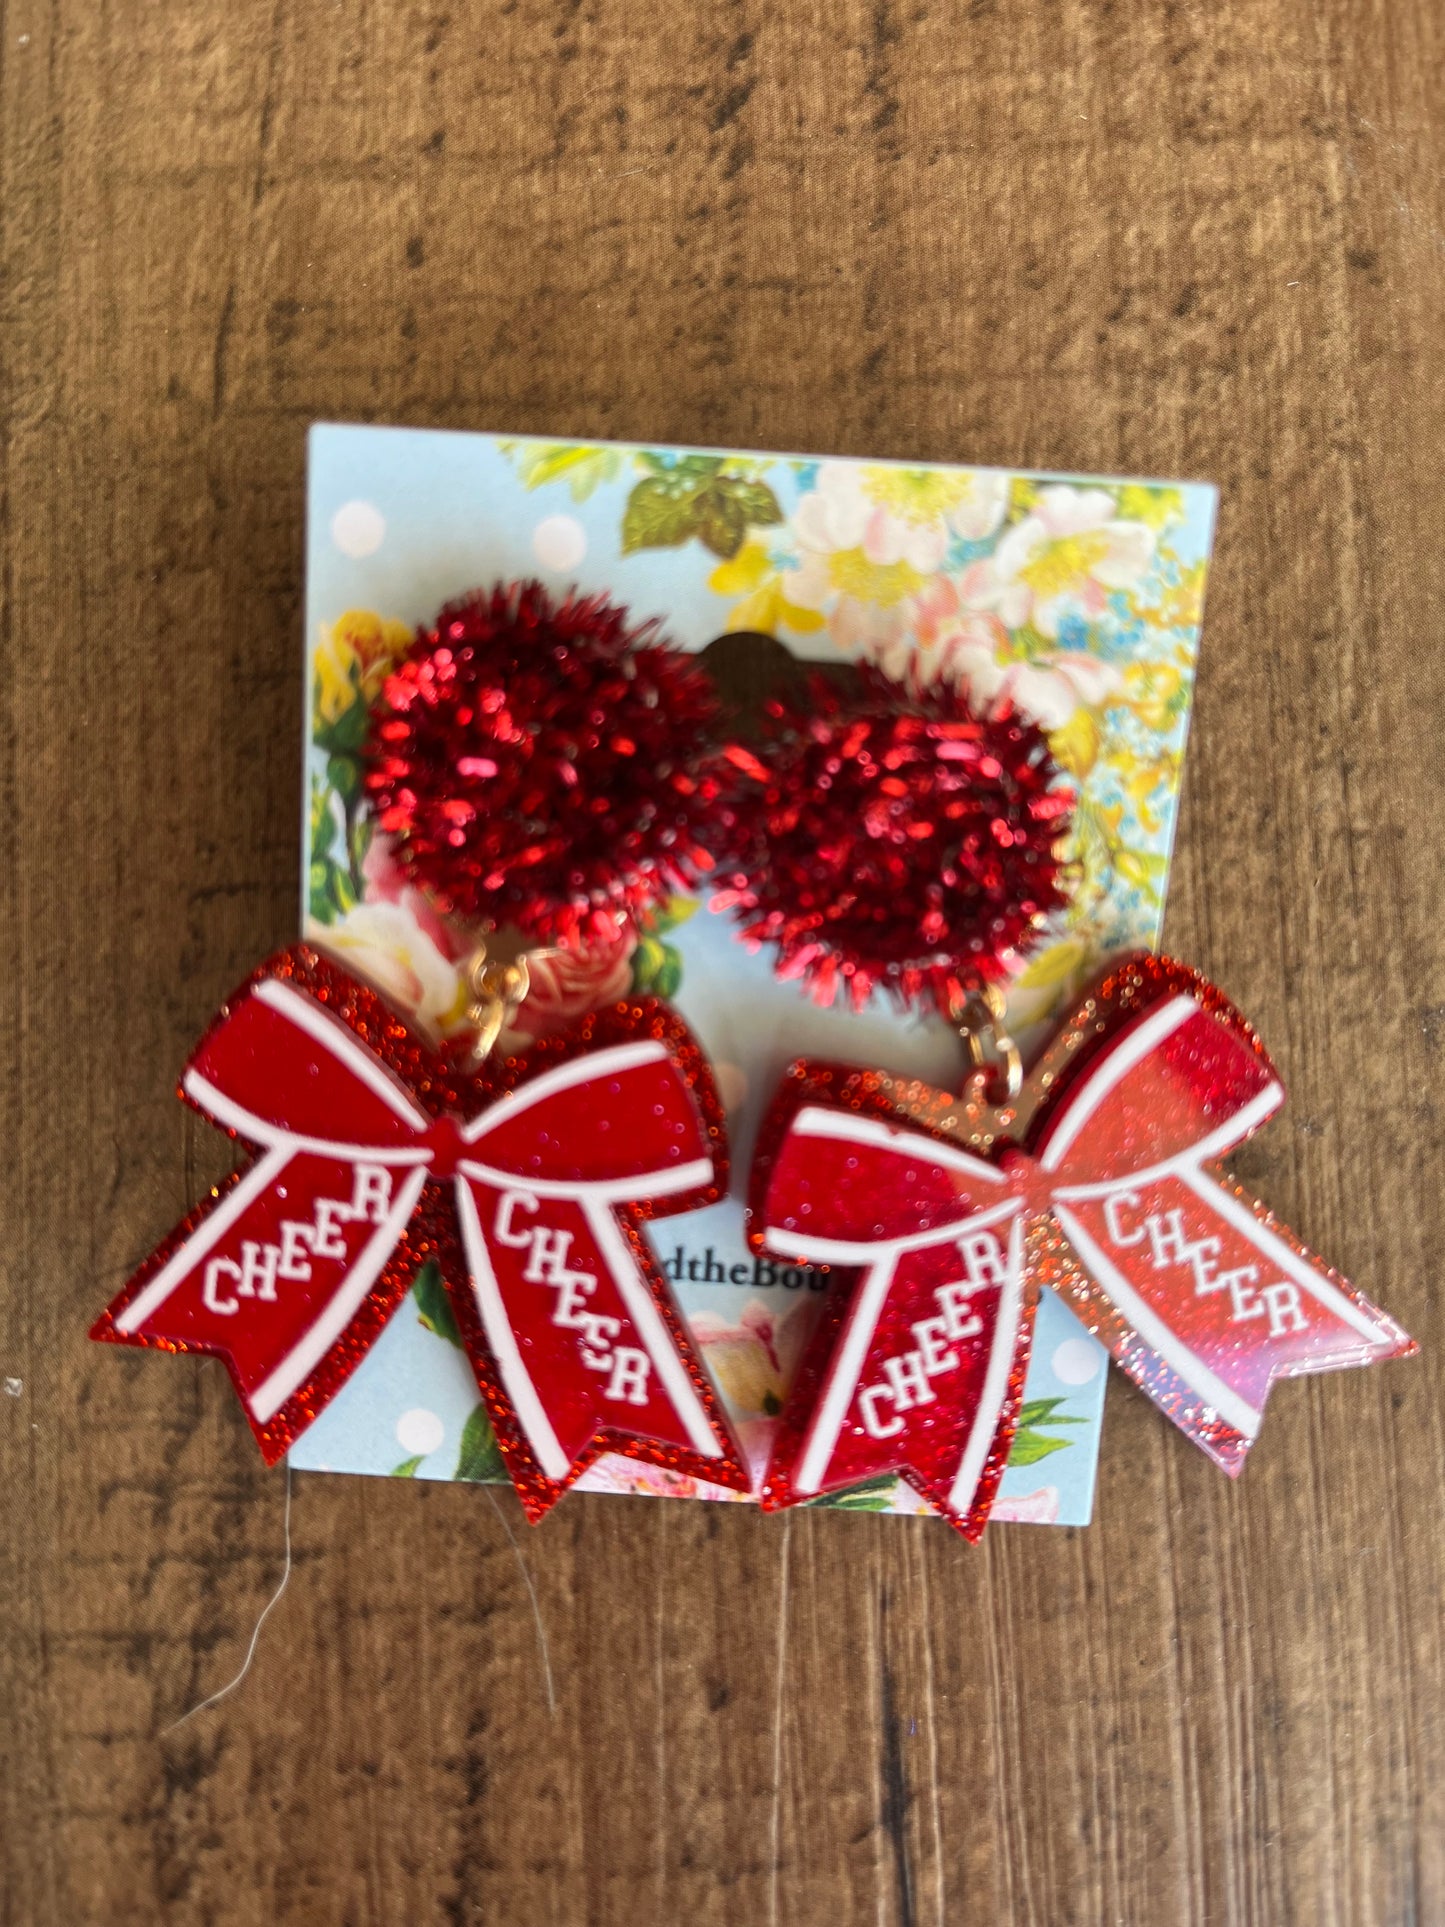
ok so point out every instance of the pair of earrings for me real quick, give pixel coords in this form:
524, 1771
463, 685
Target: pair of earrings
548, 771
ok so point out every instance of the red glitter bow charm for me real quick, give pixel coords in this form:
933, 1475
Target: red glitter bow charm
529, 1181
1107, 1191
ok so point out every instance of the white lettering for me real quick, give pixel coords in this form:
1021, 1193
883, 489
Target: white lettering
1171, 1245
932, 1337
595, 1345
1242, 1296
262, 1264
295, 1237
547, 1249
258, 1271
868, 1405
909, 1381
503, 1230
326, 1239
960, 1320
629, 1376
571, 1293
547, 1264
210, 1288
1282, 1300
1119, 1235
982, 1257
370, 1192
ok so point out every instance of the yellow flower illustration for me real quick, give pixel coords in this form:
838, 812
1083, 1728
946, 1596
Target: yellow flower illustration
1157, 693
924, 497
1179, 606
851, 573
354, 656
1075, 746
765, 606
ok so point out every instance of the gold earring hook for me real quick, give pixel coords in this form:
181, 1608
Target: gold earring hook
990, 1047
497, 991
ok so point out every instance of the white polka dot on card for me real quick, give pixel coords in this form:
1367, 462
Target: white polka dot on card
358, 529
419, 1431
1076, 1361
559, 543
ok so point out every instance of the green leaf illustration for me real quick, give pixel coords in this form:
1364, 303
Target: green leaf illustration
480, 1459
407, 1468
656, 969
659, 515
1044, 1411
722, 523
873, 1495
668, 915
693, 498
320, 905
329, 891
323, 819
1031, 1443
1029, 1448
756, 500
668, 980
345, 736
434, 1307
343, 772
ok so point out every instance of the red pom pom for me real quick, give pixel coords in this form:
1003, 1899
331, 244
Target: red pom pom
545, 764
898, 838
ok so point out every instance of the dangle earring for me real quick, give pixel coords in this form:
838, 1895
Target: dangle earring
900, 842
547, 771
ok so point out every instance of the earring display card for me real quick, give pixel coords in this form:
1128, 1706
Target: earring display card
1079, 598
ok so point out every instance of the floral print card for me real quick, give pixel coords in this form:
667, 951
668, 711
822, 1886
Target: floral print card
1078, 598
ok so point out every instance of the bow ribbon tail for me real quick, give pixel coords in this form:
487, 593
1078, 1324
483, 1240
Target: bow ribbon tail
920, 1380
918, 1370
270, 1274
290, 1268
576, 1346
1204, 1299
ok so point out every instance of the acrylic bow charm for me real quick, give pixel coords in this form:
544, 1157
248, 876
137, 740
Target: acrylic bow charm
528, 1181
1101, 1182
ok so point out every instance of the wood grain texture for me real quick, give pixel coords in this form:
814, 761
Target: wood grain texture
1199, 239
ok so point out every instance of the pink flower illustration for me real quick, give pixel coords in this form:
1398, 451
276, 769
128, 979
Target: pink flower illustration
568, 984
1068, 555
613, 1473
971, 647
1039, 1508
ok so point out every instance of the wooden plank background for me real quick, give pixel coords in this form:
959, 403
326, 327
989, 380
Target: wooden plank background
1198, 237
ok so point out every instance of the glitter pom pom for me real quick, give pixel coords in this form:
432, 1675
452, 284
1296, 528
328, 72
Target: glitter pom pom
895, 837
547, 764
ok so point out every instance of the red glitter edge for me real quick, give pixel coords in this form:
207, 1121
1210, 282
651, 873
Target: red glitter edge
1120, 996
